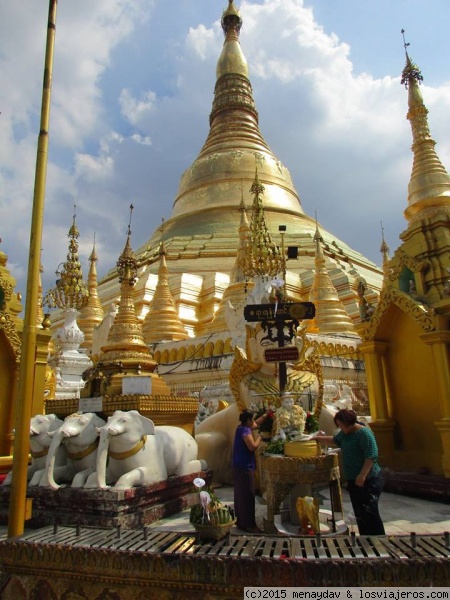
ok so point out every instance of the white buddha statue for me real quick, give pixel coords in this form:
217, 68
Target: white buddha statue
289, 419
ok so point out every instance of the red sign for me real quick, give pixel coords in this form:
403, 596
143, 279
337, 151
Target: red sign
284, 354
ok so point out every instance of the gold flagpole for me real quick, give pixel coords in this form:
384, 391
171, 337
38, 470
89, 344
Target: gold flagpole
28, 355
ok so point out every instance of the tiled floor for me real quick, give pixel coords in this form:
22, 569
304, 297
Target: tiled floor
401, 514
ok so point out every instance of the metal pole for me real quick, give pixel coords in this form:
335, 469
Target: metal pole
28, 357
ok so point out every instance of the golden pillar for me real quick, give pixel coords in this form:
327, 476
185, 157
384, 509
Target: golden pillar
439, 342
379, 396
23, 415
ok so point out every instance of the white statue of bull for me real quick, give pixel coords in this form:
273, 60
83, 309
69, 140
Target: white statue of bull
79, 435
40, 440
132, 451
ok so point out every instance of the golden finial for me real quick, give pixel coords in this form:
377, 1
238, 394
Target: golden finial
162, 250
70, 289
317, 235
127, 263
411, 71
93, 257
231, 18
262, 257
384, 248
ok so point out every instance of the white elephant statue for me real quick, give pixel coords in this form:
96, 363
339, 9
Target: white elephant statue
40, 440
79, 435
132, 451
215, 436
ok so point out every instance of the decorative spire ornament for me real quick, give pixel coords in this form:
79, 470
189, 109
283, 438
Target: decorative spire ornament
70, 289
429, 186
262, 257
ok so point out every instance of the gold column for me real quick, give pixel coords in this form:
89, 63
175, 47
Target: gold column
17, 509
379, 396
440, 343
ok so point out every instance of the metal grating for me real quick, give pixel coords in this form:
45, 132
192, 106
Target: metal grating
150, 540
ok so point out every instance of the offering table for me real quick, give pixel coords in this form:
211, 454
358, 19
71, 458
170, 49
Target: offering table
282, 473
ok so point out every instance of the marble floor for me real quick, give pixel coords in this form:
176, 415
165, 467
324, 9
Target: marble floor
401, 514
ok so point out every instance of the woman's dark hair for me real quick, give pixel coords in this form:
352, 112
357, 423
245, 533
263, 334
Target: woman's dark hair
245, 416
345, 416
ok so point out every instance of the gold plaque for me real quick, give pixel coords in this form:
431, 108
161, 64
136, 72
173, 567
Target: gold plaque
298, 311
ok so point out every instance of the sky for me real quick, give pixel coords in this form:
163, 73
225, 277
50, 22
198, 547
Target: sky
132, 90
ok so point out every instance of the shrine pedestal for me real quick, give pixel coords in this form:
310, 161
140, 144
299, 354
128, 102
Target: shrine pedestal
282, 474
130, 508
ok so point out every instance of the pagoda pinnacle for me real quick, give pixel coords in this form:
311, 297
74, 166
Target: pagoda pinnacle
262, 258
429, 186
125, 348
92, 314
384, 249
331, 316
232, 59
162, 322
70, 290
236, 292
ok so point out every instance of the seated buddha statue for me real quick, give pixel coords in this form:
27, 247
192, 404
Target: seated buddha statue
289, 418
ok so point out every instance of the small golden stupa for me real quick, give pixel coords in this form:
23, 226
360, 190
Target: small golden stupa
124, 374
406, 342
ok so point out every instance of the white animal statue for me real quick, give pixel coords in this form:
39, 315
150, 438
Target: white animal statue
40, 440
79, 435
132, 451
214, 437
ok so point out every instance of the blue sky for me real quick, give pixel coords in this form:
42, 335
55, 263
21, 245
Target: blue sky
132, 91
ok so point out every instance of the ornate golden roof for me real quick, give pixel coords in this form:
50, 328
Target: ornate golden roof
10, 307
331, 316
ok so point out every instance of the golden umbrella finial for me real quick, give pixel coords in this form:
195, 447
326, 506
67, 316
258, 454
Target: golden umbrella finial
70, 290
411, 70
127, 263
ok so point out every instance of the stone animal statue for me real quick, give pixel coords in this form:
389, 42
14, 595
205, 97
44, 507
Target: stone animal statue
214, 437
79, 435
40, 440
132, 451
308, 513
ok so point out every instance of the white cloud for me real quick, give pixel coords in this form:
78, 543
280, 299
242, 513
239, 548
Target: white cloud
136, 110
126, 122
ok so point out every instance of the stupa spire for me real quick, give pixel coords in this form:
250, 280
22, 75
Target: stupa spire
429, 186
92, 314
70, 290
236, 292
331, 316
384, 249
229, 153
262, 257
125, 350
162, 322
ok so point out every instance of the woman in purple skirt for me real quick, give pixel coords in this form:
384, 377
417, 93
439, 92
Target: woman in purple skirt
244, 466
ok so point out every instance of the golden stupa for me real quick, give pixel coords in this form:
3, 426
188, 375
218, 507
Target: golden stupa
201, 236
406, 342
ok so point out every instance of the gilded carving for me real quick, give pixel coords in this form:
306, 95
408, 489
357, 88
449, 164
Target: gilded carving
11, 333
401, 260
415, 311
